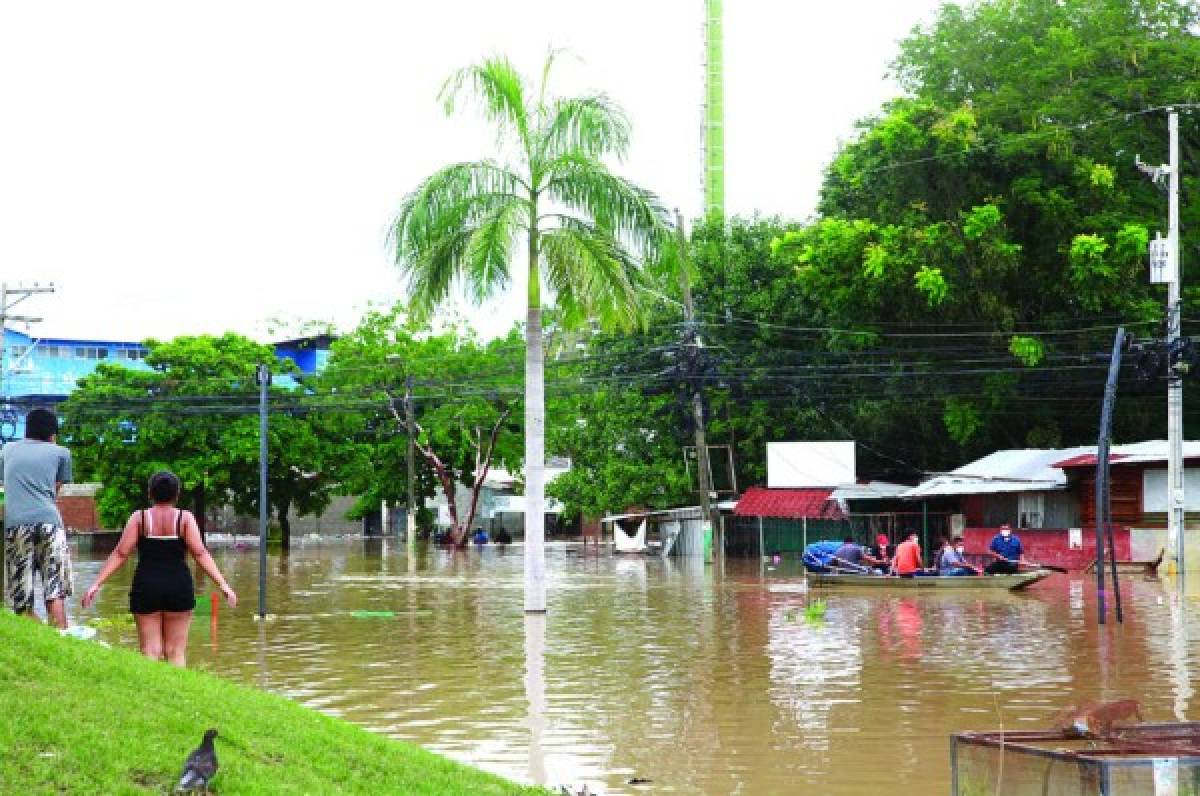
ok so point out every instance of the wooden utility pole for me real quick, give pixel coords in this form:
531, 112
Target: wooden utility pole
703, 467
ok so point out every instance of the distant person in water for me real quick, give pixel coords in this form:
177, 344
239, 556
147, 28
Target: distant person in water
162, 596
1006, 551
502, 537
907, 561
480, 537
952, 560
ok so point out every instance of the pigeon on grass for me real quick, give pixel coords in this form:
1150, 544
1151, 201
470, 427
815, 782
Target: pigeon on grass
201, 766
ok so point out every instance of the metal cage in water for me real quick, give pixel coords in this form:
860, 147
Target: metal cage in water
1141, 759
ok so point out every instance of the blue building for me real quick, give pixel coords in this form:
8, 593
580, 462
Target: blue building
41, 371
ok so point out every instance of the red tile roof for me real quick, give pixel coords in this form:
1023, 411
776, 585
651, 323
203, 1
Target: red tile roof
813, 504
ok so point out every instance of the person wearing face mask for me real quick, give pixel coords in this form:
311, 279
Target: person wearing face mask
953, 562
1007, 553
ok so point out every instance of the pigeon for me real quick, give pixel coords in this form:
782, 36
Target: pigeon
201, 766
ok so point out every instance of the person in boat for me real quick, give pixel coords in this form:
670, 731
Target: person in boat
907, 561
850, 553
1006, 552
952, 560
881, 552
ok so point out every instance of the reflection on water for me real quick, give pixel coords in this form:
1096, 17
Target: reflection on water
665, 670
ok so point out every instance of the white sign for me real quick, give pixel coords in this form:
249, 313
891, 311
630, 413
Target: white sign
806, 464
1166, 776
1075, 538
515, 504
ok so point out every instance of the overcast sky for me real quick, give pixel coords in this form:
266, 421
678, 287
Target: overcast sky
195, 167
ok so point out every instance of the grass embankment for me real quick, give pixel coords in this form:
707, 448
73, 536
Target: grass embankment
76, 717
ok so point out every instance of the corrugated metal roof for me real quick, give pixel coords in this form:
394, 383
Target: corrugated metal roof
795, 504
1020, 470
1152, 450
1035, 469
870, 490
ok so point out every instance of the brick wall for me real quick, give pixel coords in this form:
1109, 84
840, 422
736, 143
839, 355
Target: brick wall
79, 512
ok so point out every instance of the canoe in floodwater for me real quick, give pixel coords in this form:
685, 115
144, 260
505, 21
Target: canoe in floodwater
1011, 582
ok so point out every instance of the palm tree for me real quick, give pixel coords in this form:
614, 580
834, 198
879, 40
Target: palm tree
584, 228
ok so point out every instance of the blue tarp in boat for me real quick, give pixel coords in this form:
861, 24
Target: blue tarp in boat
816, 556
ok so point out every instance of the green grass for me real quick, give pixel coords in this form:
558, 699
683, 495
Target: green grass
76, 717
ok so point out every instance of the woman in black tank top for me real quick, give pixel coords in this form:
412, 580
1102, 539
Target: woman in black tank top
161, 598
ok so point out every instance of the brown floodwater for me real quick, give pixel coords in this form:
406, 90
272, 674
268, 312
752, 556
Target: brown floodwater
699, 681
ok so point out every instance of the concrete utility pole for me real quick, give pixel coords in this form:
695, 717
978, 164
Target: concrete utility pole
1175, 526
1166, 267
411, 519
703, 467
9, 298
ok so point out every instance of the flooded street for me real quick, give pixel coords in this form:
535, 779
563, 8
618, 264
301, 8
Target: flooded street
667, 671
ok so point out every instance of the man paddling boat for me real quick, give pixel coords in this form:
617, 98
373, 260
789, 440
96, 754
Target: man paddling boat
1007, 553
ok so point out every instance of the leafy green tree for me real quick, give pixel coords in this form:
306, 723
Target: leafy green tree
582, 227
465, 395
194, 412
1000, 194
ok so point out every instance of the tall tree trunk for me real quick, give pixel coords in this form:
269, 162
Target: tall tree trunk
483, 463
285, 525
535, 436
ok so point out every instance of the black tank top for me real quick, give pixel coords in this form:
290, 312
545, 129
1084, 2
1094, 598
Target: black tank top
158, 553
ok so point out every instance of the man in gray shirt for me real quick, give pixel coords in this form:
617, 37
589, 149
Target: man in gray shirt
35, 542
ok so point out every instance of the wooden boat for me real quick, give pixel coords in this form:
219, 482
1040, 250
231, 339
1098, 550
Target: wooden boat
848, 580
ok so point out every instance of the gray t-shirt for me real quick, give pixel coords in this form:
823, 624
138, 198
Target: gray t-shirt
31, 470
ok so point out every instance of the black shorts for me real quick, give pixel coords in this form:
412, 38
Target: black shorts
162, 592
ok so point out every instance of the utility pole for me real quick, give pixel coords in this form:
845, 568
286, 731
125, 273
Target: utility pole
6, 304
703, 466
1166, 266
411, 519
263, 377
1175, 526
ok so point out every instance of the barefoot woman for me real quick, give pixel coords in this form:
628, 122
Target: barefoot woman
162, 596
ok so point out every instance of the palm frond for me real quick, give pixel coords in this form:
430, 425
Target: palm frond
591, 125
631, 213
498, 89
450, 228
489, 249
462, 193
591, 274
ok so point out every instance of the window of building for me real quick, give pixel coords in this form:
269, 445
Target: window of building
18, 351
131, 354
1031, 509
90, 352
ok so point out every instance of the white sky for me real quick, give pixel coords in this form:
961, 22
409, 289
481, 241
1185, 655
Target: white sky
178, 168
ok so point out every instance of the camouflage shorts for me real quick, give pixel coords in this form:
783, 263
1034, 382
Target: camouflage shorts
31, 550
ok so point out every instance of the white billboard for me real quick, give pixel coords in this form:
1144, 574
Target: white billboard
800, 464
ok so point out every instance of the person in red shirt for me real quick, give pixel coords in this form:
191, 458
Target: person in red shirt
908, 556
